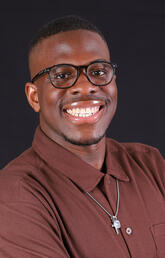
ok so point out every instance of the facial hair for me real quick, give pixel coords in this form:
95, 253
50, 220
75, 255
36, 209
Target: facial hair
84, 143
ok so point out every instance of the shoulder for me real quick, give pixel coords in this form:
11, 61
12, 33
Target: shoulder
17, 174
139, 159
132, 148
143, 155
26, 161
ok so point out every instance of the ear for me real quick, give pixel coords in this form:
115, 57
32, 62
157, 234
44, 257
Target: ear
31, 92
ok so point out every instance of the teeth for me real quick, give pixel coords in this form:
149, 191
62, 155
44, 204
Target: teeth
88, 110
82, 112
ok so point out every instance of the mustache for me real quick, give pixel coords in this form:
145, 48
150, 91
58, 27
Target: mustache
85, 98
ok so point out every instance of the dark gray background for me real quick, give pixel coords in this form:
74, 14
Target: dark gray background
135, 32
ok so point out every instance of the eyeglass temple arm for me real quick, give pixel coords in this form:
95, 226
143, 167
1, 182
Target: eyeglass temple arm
40, 74
114, 65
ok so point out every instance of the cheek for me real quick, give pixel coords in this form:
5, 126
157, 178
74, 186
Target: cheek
49, 97
111, 91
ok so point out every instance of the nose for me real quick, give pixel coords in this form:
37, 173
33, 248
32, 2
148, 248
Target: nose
83, 86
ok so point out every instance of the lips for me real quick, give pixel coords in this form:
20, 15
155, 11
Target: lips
84, 111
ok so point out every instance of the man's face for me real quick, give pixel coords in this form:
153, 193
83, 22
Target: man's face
58, 107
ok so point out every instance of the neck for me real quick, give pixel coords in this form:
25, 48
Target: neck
94, 154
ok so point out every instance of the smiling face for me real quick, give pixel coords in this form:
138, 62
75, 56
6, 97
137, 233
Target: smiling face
80, 114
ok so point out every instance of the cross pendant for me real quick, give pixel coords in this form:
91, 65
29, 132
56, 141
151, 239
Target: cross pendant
116, 224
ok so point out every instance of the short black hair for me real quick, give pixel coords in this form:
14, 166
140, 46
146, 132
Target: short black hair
62, 24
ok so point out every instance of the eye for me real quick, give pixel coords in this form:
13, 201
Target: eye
99, 72
62, 76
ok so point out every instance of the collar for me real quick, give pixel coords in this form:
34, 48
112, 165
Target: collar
80, 172
117, 160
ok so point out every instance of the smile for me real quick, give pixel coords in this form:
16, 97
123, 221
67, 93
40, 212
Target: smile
84, 111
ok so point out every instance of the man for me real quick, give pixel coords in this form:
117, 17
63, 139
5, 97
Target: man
75, 193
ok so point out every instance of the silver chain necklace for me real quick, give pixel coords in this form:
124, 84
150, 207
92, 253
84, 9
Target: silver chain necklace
115, 222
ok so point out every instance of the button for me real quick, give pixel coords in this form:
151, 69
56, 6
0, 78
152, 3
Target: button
129, 231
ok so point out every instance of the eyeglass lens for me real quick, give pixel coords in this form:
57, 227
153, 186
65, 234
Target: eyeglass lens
65, 75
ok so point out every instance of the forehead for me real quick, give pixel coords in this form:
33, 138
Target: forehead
77, 47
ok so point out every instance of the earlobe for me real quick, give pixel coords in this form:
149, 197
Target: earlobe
31, 92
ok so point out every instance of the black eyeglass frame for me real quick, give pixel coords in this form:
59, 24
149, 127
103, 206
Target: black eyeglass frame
78, 68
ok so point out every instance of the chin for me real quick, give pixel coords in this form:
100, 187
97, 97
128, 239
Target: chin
84, 142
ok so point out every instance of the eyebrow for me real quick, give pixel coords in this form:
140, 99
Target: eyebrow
95, 60
103, 60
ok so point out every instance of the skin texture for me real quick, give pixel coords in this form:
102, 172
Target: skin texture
85, 139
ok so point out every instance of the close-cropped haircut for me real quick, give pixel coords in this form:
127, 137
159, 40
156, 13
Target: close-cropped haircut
62, 24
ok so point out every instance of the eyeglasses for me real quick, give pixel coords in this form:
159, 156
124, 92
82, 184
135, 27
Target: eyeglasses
62, 76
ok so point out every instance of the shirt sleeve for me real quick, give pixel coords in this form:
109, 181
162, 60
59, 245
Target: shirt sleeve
157, 167
28, 226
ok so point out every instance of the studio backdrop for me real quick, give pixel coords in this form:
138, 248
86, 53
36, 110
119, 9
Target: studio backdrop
136, 38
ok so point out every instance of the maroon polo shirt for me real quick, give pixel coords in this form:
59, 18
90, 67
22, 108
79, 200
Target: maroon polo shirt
45, 211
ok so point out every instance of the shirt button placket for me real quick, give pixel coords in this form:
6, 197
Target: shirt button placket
128, 230
108, 179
